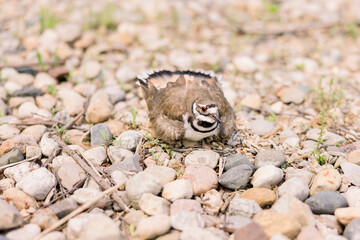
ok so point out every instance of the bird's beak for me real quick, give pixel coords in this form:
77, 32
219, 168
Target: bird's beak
216, 118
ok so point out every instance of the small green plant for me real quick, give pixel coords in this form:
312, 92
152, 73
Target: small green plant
131, 229
47, 19
104, 18
40, 61
60, 131
133, 114
300, 66
272, 117
52, 90
2, 114
271, 6
352, 29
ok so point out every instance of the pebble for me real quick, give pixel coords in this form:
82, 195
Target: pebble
13, 156
84, 195
20, 142
19, 171
28, 91
236, 177
274, 223
20, 199
6, 183
8, 131
262, 196
146, 230
245, 64
27, 110
128, 140
118, 177
139, 184
251, 231
100, 135
304, 175
96, 155
178, 189
347, 214
292, 206
243, 207
33, 152
27, 232
54, 236
115, 94
267, 176
172, 235
202, 157
44, 218
70, 173
185, 205
9, 216
352, 230
72, 101
99, 109
183, 220
130, 164
291, 94
197, 233
47, 145
11, 87
232, 223
165, 174
76, 137
328, 224
37, 183
43, 81
125, 74
212, 202
202, 178
86, 40
270, 157
237, 159
69, 32
295, 187
37, 131
329, 137
91, 69
63, 207
261, 127
326, 180
154, 205
117, 154
354, 157
134, 216
46, 101
252, 101
353, 196
23, 79
309, 232
351, 172
326, 202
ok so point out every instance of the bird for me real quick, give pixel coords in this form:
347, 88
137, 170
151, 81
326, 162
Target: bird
187, 104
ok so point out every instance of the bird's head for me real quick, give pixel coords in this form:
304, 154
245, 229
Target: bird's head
206, 111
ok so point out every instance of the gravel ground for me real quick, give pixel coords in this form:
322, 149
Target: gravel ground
77, 157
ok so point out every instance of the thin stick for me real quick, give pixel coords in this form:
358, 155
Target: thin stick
78, 210
17, 163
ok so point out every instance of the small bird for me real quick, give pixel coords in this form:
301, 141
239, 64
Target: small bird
187, 105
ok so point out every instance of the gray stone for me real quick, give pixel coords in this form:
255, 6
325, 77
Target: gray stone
178, 189
295, 187
183, 220
326, 202
9, 216
13, 156
303, 174
139, 184
128, 140
234, 160
270, 157
37, 183
202, 157
96, 155
19, 171
261, 127
243, 207
165, 174
267, 177
117, 154
27, 232
151, 227
154, 205
236, 177
351, 172
131, 164
352, 230
100, 135
234, 222
63, 207
115, 94
28, 91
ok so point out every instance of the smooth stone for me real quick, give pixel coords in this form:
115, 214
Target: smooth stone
44, 218
252, 101
69, 32
75, 224
6, 183
290, 205
128, 140
12, 86
20, 199
72, 101
262, 196
27, 110
178, 189
328, 224
43, 81
154, 205
353, 196
70, 173
197, 233
291, 95
100, 227
84, 195
267, 176
139, 184
131, 164
245, 64
20, 142
185, 205
48, 145
27, 232
232, 223
117, 154
133, 217
8, 131
165, 174
346, 215
237, 159
118, 177
63, 207
351, 172
236, 177
115, 94
202, 178
352, 230
243, 207
146, 228
96, 155
19, 171
202, 157
274, 223
261, 127
354, 157
326, 202
54, 236
270, 157
13, 156
9, 216
328, 137
37, 131
309, 232
251, 231
46, 101
91, 69
183, 220
99, 109
172, 235
28, 91
305, 175
212, 202
295, 187
37, 183
100, 135
326, 180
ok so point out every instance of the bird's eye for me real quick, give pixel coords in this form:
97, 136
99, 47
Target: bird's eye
203, 109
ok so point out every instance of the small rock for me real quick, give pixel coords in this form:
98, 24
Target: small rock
125, 74
353, 196
100, 135
63, 207
252, 101
28, 91
70, 173
20, 199
197, 233
128, 140
118, 177
153, 205
202, 157
99, 109
37, 131
234, 160
68, 32
44, 218
261, 127
13, 156
43, 81
139, 184
37, 183
46, 101
232, 223
212, 202
134, 217
267, 177
9, 216
351, 172
117, 154
251, 231
27, 232
262, 196
19, 171
165, 174
8, 131
236, 177
11, 87
326, 180
54, 236
84, 195
202, 178
243, 207
326, 202
295, 187
309, 232
91, 69
183, 220
115, 94
299, 173
27, 110
47, 145
99, 227
172, 235
178, 189
73, 102
352, 231
270, 157
6, 183
329, 138
20, 142
146, 230
328, 224
354, 157
96, 155
245, 64
131, 164
185, 205
291, 95
346, 215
